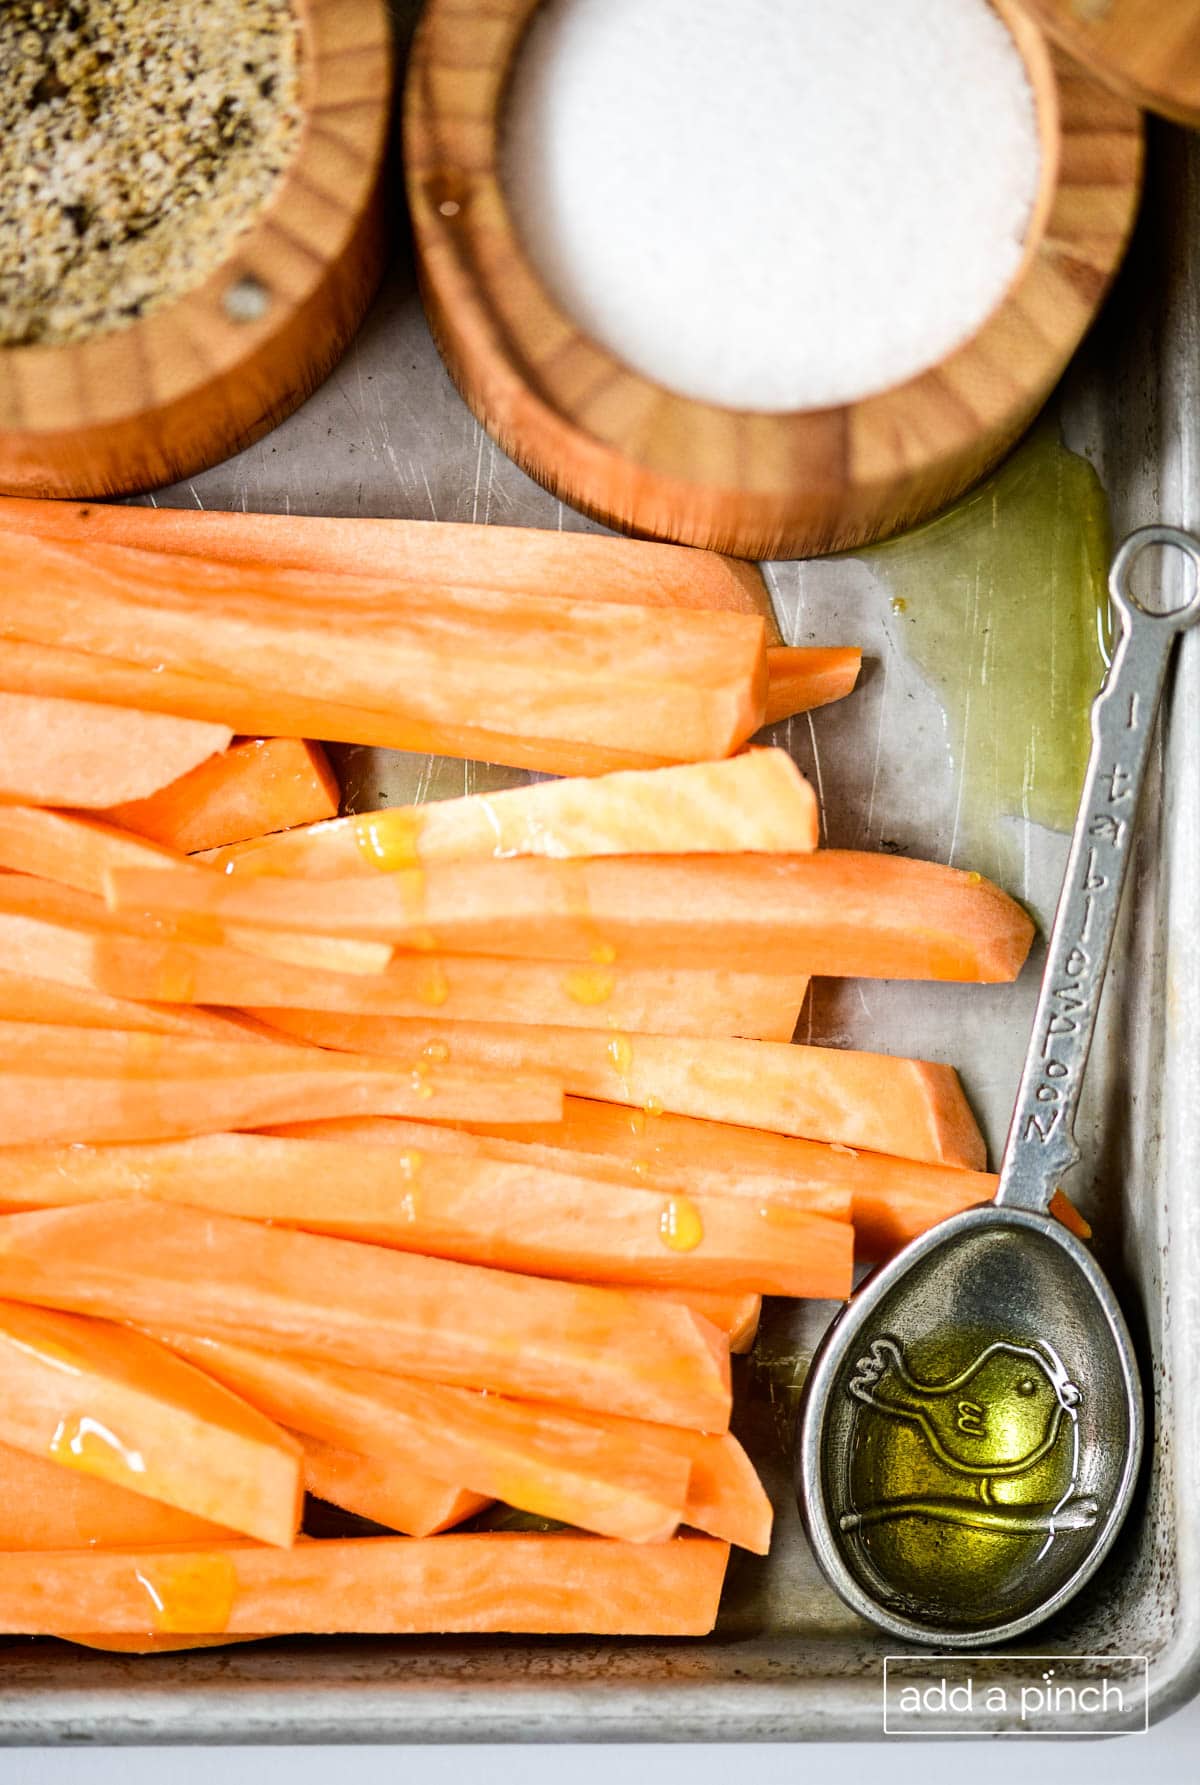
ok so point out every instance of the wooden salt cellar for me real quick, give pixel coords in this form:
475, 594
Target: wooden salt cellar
205, 375
757, 485
1147, 50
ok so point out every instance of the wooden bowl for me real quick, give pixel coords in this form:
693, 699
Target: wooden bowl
758, 485
202, 376
1147, 50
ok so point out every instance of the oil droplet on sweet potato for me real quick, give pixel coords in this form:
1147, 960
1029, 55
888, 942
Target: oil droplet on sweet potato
589, 985
190, 1595
434, 987
389, 840
89, 1446
679, 1224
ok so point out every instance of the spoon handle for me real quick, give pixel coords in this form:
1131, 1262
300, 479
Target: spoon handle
1041, 1144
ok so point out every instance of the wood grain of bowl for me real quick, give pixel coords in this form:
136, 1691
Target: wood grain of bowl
648, 461
204, 375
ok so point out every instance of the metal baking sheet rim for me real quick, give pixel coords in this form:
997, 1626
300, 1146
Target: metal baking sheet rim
767, 1688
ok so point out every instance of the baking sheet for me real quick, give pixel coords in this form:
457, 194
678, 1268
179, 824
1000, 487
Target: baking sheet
387, 435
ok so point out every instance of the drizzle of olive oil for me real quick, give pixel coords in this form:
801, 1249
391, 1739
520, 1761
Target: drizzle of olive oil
88, 1445
1002, 602
434, 987
389, 840
190, 1595
679, 1224
589, 985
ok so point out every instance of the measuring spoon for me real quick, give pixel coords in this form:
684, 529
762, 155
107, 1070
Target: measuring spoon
972, 1422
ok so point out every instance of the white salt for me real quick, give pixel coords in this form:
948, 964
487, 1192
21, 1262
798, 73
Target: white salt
773, 204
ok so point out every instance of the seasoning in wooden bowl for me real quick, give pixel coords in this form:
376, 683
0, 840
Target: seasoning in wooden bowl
191, 226
137, 139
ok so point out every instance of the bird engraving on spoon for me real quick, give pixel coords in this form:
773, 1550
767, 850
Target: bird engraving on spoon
997, 1418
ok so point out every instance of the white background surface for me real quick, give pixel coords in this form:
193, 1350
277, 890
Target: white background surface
1168, 1755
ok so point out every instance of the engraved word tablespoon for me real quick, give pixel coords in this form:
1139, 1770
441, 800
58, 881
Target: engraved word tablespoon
972, 1423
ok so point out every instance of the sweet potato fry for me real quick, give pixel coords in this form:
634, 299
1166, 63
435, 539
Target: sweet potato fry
27, 667
613, 1477
157, 1265
806, 676
469, 1582
379, 1488
78, 753
256, 787
913, 1108
117, 1406
638, 1168
593, 567
834, 912
683, 685
756, 802
45, 1506
62, 1084
481, 1211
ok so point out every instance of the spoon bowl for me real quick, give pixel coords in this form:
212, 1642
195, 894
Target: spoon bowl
981, 1425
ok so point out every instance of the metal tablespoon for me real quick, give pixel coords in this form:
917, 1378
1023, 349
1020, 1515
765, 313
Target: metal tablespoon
972, 1422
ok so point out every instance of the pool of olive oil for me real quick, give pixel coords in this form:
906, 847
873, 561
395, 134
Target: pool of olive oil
1001, 602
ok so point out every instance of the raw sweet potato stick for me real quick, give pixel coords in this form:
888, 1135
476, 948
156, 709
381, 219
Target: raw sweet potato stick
686, 685
122, 955
606, 1474
46, 1506
25, 998
893, 1199
470, 1582
159, 1265
257, 786
387, 1490
806, 676
61, 1084
617, 1479
914, 1108
638, 1169
116, 1405
594, 567
79, 753
27, 667
758, 801
51, 856
482, 1211
834, 912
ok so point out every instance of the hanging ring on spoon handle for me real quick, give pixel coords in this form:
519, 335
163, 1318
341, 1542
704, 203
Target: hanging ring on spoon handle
1041, 1143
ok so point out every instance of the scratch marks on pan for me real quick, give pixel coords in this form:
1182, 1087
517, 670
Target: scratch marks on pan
385, 438
960, 778
491, 477
887, 670
195, 495
478, 476
812, 732
429, 493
